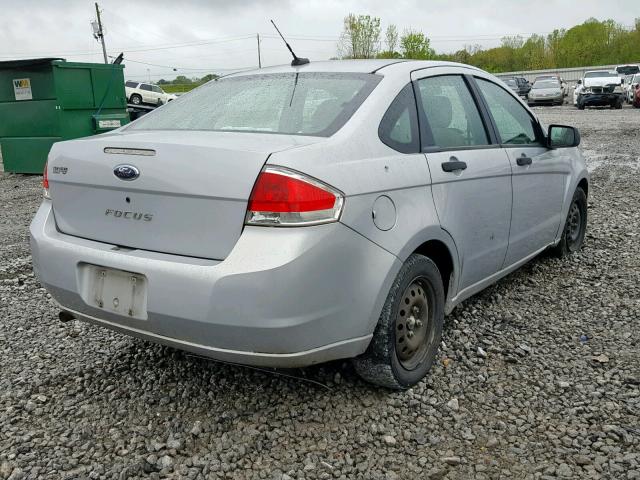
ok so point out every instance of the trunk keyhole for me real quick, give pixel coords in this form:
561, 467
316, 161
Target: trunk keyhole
127, 199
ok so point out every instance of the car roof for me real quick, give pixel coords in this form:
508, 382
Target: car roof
354, 66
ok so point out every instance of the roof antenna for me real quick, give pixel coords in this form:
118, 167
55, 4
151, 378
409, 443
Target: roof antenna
297, 61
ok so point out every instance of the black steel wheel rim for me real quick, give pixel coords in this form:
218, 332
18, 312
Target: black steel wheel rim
413, 332
574, 224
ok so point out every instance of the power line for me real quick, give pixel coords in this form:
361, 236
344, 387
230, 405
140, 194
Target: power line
175, 69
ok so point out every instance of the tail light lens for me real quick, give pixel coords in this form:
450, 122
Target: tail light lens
45, 182
285, 198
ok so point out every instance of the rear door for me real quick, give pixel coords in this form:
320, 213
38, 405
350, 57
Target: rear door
539, 174
147, 94
471, 174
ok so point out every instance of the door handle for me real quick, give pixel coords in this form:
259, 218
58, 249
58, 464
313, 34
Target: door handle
453, 165
524, 160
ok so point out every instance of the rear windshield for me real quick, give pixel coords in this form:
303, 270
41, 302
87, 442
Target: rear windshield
546, 84
315, 104
628, 69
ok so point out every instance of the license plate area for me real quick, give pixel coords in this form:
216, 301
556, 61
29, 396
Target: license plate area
115, 291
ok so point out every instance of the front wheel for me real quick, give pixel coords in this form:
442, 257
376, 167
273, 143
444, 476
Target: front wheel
575, 226
406, 338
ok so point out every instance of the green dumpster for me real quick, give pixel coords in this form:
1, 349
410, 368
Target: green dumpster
46, 100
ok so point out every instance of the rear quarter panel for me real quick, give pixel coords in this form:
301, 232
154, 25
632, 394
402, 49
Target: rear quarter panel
356, 162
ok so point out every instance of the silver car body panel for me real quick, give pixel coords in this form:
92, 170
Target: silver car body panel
294, 296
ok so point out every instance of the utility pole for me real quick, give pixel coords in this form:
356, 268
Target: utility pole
100, 34
259, 59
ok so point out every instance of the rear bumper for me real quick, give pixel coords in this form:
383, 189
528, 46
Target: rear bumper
282, 298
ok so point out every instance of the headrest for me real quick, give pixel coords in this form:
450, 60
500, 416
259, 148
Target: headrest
439, 111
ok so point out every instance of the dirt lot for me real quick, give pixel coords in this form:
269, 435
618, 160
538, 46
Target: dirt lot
539, 376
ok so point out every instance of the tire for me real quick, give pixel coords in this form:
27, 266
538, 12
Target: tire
389, 361
160, 102
573, 234
136, 99
581, 106
618, 105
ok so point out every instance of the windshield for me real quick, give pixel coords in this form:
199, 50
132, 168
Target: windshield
628, 69
316, 104
600, 74
511, 82
546, 84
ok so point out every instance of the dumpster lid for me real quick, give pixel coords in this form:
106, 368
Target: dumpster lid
28, 62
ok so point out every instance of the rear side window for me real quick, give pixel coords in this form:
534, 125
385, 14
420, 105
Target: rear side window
131, 84
451, 112
515, 125
144, 86
399, 126
312, 103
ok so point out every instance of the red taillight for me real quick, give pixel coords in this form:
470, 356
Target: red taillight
287, 198
45, 182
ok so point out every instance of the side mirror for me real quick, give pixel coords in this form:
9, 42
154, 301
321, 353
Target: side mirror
561, 136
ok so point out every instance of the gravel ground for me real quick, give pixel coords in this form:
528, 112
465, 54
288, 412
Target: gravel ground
539, 376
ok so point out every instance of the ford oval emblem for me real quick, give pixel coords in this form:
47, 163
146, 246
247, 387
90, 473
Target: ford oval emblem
126, 172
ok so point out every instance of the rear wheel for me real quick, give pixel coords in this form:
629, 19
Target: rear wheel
406, 339
135, 99
575, 226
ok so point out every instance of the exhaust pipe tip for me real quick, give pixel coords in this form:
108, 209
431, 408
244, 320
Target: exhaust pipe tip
65, 316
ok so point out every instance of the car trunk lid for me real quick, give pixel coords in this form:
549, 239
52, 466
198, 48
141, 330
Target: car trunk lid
190, 197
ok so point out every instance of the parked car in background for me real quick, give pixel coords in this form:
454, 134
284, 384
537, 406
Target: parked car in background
524, 85
139, 93
512, 84
307, 214
546, 91
630, 86
624, 70
601, 88
520, 85
576, 91
563, 85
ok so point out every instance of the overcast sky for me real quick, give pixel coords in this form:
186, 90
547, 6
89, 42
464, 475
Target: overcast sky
217, 35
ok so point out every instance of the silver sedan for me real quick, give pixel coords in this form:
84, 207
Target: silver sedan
299, 214
546, 92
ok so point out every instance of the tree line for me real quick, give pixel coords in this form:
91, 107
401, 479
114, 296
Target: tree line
593, 42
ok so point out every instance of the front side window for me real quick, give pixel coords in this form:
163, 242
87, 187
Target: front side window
399, 126
515, 125
316, 104
451, 112
156, 89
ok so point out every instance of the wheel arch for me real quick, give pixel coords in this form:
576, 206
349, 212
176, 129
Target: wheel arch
584, 185
439, 246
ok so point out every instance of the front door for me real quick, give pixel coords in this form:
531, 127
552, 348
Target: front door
539, 174
471, 174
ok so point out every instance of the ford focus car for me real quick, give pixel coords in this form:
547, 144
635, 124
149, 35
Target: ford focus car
300, 214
